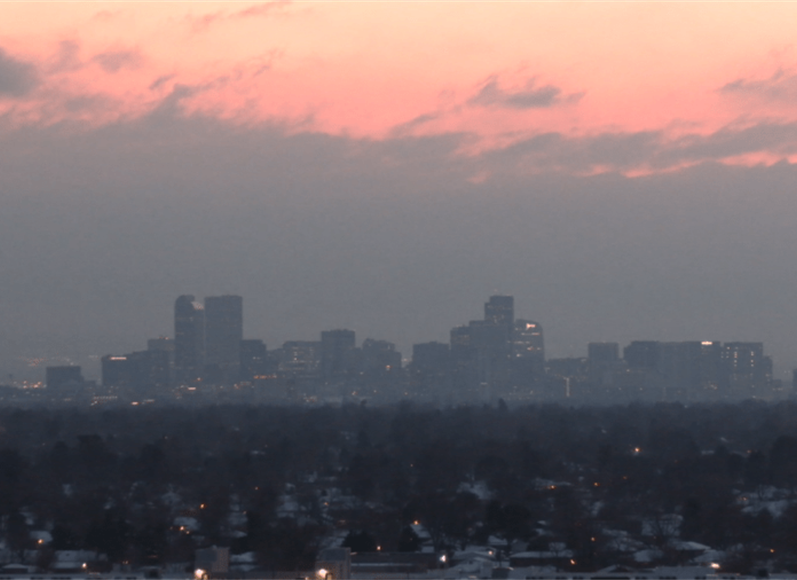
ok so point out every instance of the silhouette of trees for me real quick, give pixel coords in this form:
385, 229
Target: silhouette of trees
114, 480
360, 541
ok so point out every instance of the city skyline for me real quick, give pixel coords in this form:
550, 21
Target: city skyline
498, 357
385, 166
198, 345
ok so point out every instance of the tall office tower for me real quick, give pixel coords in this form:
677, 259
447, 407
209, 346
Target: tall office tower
464, 364
337, 353
224, 331
642, 354
189, 338
164, 344
744, 358
430, 369
460, 339
300, 359
748, 371
500, 310
712, 376
527, 340
379, 357
527, 362
603, 352
679, 365
603, 360
430, 358
379, 372
254, 359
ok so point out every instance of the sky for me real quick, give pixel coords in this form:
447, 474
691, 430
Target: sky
626, 170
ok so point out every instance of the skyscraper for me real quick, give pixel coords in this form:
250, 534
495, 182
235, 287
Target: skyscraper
500, 310
189, 338
527, 340
528, 352
254, 359
337, 348
224, 329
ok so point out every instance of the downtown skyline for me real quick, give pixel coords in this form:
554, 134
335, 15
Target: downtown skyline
497, 357
625, 170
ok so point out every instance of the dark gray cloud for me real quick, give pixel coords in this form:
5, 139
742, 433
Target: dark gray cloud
407, 127
530, 97
781, 86
763, 137
644, 150
17, 77
67, 57
115, 60
160, 81
557, 152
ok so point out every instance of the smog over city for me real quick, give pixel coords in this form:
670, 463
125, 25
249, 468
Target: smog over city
398, 289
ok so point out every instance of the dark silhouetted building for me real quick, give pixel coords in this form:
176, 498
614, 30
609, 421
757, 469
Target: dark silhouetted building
528, 355
527, 340
224, 328
189, 338
500, 310
337, 352
380, 373
430, 369
142, 370
642, 354
164, 344
603, 360
254, 359
59, 377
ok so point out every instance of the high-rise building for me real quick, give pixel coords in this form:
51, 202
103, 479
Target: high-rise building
58, 377
189, 338
379, 371
224, 328
139, 370
337, 348
254, 359
748, 371
745, 359
642, 354
300, 359
527, 363
431, 358
500, 310
430, 370
161, 343
603, 360
679, 365
603, 352
527, 340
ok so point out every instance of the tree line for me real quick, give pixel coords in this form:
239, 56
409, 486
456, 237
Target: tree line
117, 480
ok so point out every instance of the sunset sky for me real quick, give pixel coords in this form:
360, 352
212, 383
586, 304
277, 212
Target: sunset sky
623, 168
676, 83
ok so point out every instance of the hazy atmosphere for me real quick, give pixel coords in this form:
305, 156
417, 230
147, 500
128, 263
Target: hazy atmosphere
624, 170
